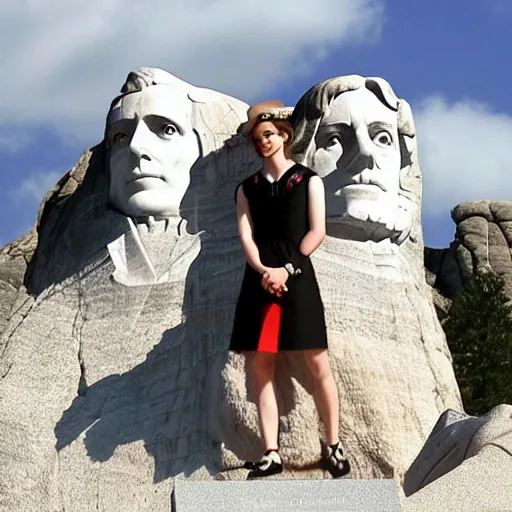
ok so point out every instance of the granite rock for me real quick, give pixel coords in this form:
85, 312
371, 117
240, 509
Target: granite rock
464, 465
387, 348
483, 241
14, 259
112, 387
107, 389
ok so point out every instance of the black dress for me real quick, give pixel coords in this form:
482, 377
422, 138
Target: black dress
294, 321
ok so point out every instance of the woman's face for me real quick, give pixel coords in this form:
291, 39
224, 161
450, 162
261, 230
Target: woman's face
267, 139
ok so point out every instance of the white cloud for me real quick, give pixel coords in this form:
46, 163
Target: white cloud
67, 60
464, 153
31, 190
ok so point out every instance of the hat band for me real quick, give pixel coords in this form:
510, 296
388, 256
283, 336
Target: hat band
274, 115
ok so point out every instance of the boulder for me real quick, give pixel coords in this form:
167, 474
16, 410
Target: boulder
464, 464
483, 241
14, 259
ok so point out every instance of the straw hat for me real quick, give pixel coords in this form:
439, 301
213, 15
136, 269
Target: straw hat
266, 111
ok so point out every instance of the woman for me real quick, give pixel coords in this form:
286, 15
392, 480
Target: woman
281, 221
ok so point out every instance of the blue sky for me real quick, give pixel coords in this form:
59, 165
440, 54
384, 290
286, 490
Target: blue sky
448, 59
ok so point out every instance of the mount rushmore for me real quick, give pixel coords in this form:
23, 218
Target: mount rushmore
116, 309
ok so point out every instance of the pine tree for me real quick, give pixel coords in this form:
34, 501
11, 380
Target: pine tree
479, 333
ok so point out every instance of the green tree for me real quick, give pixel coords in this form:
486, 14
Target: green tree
479, 333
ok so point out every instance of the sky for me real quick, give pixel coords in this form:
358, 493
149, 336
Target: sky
63, 61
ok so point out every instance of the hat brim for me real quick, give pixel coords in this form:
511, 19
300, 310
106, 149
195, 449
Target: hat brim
274, 114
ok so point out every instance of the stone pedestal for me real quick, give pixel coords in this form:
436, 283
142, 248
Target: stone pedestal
286, 496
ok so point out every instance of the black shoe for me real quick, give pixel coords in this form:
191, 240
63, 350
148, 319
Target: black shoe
335, 460
269, 464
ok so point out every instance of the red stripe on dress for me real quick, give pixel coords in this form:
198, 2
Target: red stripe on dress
269, 336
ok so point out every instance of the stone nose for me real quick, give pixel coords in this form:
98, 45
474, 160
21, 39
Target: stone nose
365, 146
140, 141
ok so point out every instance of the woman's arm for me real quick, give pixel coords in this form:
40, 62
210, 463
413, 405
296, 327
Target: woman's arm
316, 209
245, 230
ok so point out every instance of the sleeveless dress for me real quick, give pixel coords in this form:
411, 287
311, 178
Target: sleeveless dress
294, 321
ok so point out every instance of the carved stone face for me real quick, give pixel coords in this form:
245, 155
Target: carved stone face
358, 155
152, 148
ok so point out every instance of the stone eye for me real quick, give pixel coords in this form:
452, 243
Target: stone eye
333, 141
119, 138
383, 139
169, 130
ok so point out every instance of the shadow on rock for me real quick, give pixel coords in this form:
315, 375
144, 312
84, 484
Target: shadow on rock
162, 402
168, 400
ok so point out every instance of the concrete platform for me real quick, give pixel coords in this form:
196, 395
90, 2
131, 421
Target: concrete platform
286, 496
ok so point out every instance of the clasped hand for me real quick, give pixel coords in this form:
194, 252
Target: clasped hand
274, 281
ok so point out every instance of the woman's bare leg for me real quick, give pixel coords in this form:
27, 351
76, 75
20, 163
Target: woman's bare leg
325, 393
262, 370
